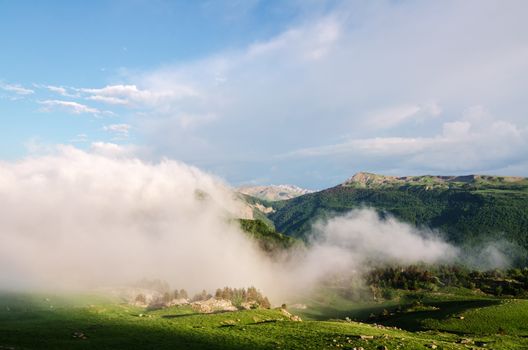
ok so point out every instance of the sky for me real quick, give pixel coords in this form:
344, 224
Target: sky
271, 92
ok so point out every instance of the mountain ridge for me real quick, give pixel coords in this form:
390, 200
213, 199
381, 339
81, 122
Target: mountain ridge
467, 210
274, 192
367, 179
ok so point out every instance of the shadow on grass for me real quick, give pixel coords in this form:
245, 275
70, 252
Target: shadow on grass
59, 334
180, 315
26, 322
414, 320
327, 312
411, 321
195, 313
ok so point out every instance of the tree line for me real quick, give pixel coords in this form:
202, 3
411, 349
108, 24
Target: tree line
511, 282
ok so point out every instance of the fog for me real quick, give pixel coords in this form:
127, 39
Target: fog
352, 242
492, 253
76, 219
83, 219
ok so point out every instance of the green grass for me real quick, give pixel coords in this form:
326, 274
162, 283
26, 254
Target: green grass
499, 322
504, 317
38, 321
268, 239
327, 304
28, 322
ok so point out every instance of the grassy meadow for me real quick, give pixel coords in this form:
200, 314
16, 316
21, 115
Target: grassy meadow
441, 320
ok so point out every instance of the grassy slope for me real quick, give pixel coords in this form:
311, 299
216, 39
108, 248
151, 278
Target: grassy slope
268, 239
496, 321
29, 322
507, 317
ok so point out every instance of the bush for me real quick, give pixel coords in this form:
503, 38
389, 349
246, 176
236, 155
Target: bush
388, 294
183, 294
140, 298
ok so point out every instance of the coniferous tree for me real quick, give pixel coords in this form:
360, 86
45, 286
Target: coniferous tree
176, 294
183, 294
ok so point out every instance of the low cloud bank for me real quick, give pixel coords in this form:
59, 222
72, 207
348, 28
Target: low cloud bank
347, 243
78, 219
365, 235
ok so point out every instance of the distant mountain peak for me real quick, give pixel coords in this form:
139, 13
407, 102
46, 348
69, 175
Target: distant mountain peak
371, 180
274, 192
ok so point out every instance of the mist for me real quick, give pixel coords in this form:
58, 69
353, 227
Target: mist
492, 253
352, 242
79, 219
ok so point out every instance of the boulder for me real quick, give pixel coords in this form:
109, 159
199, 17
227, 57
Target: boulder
290, 316
213, 305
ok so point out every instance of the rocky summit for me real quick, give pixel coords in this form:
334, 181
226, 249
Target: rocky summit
371, 180
274, 192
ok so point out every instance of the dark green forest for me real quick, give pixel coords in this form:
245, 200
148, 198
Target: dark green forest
464, 213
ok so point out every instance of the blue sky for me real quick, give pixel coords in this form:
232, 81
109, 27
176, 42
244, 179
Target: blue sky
302, 92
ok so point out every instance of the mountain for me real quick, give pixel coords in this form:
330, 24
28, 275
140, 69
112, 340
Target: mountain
466, 209
273, 192
370, 180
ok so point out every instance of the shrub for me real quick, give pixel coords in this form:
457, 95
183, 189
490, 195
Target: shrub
140, 298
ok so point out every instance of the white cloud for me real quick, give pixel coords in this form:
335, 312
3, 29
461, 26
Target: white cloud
79, 138
190, 121
374, 57
17, 89
67, 92
35, 145
362, 233
462, 145
57, 89
154, 209
326, 35
121, 131
389, 117
384, 83
131, 95
71, 107
112, 150
305, 43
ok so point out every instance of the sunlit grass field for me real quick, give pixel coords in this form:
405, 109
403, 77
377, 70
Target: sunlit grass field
41, 321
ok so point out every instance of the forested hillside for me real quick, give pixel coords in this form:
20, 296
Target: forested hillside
466, 209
